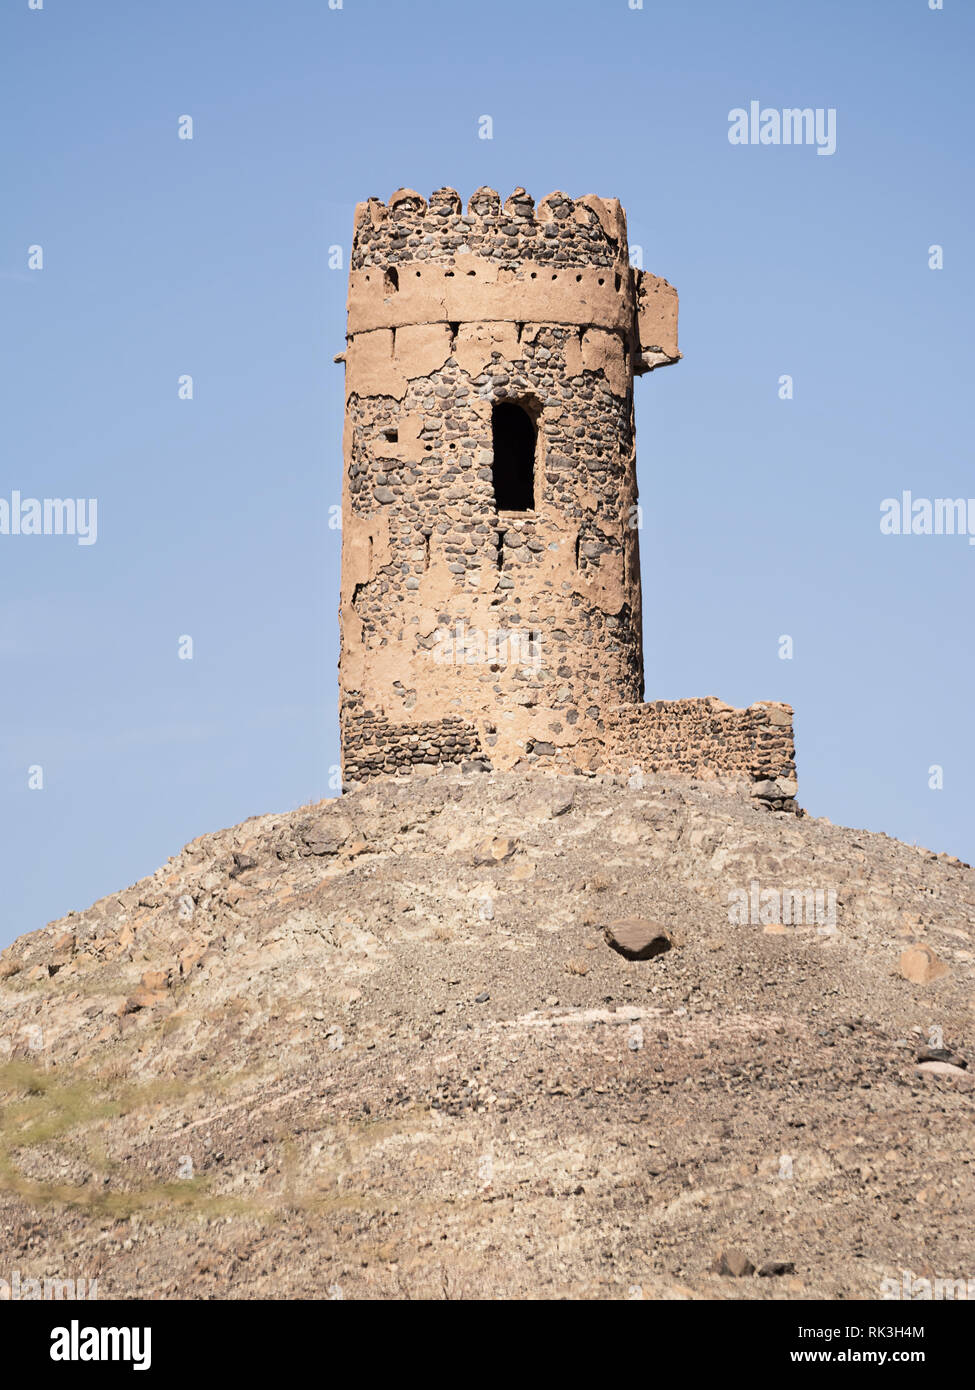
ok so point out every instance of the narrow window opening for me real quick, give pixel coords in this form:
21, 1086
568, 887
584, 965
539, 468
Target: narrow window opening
426, 551
454, 330
501, 535
513, 439
391, 436
619, 280
391, 280
578, 544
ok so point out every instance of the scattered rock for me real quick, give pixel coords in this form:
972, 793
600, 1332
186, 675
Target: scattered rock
733, 1264
10, 967
322, 843
921, 966
637, 938
494, 852
190, 958
773, 1268
327, 835
940, 1069
941, 1054
142, 999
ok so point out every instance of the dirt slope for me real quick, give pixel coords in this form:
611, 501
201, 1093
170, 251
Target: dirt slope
380, 1047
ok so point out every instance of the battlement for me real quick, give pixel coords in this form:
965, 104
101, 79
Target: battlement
560, 231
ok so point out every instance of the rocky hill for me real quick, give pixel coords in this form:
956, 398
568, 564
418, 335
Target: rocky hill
397, 1045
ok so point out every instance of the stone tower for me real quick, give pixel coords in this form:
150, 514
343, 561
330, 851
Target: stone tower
490, 604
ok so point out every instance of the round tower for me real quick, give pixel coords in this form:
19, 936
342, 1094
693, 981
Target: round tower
490, 607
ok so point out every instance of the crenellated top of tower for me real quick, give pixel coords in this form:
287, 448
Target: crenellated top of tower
560, 231
564, 261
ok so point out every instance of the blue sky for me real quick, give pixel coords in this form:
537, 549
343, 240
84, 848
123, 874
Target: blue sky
210, 256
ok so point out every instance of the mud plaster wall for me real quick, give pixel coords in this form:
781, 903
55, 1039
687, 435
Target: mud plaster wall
507, 639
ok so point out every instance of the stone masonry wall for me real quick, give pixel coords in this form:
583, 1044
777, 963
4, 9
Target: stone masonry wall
376, 748
708, 739
749, 750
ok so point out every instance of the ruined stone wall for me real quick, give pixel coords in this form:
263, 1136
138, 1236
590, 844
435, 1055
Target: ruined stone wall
375, 748
448, 315
708, 739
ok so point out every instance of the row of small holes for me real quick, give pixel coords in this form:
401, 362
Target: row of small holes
534, 276
601, 281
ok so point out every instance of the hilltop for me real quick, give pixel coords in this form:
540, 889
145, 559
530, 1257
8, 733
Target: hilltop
384, 1046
